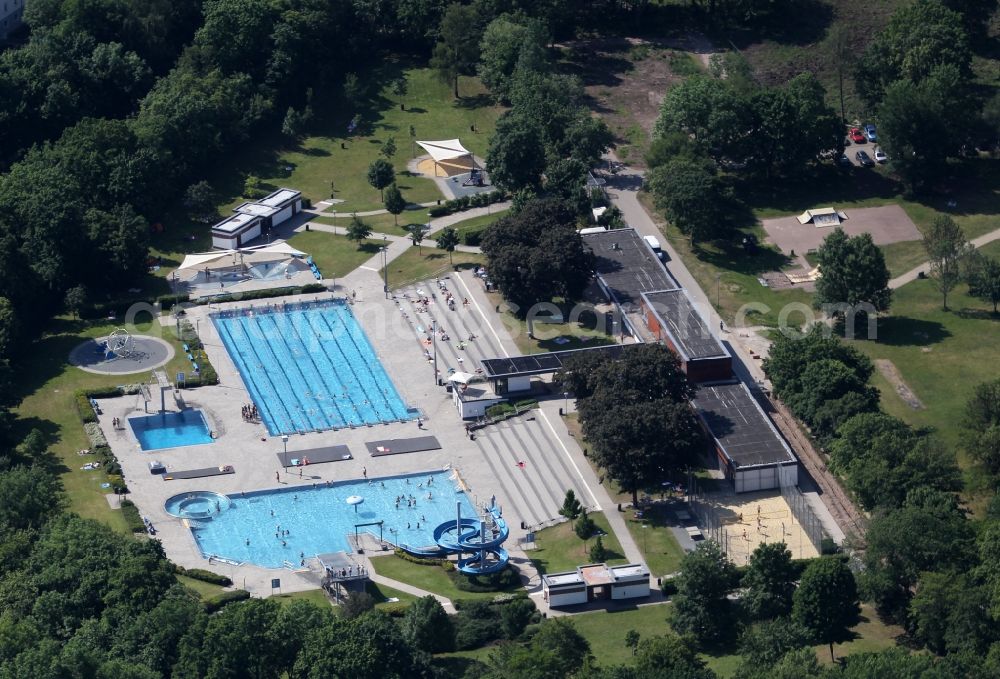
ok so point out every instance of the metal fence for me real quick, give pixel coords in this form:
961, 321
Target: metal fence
805, 515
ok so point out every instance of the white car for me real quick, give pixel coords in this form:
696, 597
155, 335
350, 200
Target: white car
880, 156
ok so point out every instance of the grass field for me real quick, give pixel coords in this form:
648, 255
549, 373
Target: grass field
478, 223
334, 254
314, 596
205, 590
379, 223
429, 578
941, 355
419, 264
657, 543
47, 383
319, 158
559, 549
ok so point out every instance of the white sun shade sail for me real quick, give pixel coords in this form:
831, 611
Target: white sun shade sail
446, 149
201, 259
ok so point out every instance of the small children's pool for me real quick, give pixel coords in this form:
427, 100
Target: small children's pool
170, 430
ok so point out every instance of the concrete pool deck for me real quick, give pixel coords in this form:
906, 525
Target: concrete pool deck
488, 465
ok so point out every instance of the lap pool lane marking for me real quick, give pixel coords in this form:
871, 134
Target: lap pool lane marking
597, 504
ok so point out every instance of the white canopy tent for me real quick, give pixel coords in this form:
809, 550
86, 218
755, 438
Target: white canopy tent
445, 150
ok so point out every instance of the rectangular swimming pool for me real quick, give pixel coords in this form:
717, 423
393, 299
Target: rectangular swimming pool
170, 430
271, 527
309, 367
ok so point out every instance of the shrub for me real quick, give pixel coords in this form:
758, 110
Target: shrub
84, 409
515, 616
132, 519
95, 435
472, 633
356, 604
419, 560
473, 238
598, 554
668, 587
216, 602
505, 579
396, 609
103, 392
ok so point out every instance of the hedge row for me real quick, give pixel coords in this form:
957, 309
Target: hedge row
263, 294
83, 408
203, 575
218, 601
466, 202
423, 561
132, 518
479, 584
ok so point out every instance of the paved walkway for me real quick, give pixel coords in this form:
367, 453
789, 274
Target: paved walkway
369, 213
914, 273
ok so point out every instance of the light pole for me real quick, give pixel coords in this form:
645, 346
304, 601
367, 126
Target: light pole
435, 345
645, 525
197, 328
385, 265
566, 403
284, 440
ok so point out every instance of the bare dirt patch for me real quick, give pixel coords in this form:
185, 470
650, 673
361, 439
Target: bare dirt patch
892, 375
627, 79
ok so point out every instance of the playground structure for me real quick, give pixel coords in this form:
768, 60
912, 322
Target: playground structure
119, 344
480, 538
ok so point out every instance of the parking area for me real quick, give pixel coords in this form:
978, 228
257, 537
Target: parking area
886, 224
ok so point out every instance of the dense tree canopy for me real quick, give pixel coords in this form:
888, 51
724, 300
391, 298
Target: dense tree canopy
853, 272
537, 255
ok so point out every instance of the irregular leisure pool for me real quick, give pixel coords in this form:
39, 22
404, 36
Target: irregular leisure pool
170, 430
309, 367
318, 518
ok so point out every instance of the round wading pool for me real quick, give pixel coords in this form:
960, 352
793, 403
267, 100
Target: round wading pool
199, 504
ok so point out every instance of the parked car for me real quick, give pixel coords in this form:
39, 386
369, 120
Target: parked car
864, 159
857, 136
844, 161
880, 156
870, 132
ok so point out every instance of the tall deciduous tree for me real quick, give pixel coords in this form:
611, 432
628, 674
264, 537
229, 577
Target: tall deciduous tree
380, 175
929, 532
984, 279
416, 233
981, 425
394, 202
947, 249
853, 272
920, 37
503, 42
701, 605
447, 240
693, 197
537, 255
427, 627
769, 581
457, 50
790, 355
516, 156
826, 601
358, 230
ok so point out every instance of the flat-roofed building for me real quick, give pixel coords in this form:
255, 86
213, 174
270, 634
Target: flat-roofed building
751, 451
673, 319
595, 581
236, 231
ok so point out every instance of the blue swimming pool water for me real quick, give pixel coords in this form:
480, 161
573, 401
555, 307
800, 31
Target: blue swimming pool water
319, 519
309, 367
170, 430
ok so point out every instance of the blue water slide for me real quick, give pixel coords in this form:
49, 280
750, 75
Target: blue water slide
465, 536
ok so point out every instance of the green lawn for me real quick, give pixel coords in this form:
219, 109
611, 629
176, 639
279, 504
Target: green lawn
941, 355
334, 254
380, 223
47, 383
419, 264
382, 594
606, 630
655, 540
902, 257
478, 223
559, 549
205, 590
573, 334
317, 597
319, 158
429, 578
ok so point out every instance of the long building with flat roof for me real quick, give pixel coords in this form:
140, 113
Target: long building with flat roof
673, 319
751, 451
